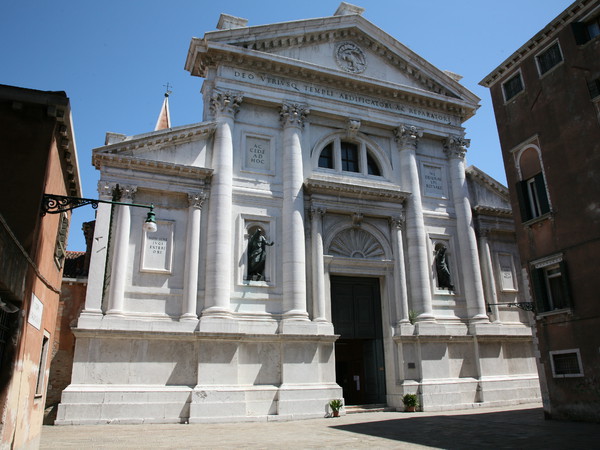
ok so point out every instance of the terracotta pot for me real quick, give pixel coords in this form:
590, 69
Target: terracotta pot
336, 414
410, 408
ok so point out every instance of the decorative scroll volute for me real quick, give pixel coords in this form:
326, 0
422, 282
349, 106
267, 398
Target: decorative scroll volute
225, 102
456, 146
408, 136
293, 114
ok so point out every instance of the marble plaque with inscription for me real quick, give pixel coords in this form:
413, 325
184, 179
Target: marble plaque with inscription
507, 277
433, 182
36, 312
258, 153
158, 248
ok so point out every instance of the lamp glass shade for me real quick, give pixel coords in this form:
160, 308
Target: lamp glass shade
150, 223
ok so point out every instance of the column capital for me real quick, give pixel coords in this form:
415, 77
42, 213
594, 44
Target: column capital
225, 103
408, 136
317, 211
127, 192
106, 189
196, 199
397, 221
456, 146
293, 114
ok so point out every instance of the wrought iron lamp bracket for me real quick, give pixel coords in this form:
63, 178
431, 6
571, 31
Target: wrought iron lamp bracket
55, 204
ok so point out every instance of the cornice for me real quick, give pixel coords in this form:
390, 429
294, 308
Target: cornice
151, 166
214, 54
355, 189
540, 39
492, 211
156, 138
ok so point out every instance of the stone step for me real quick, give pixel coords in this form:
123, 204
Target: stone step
355, 409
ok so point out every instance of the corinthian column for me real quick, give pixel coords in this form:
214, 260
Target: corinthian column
293, 245
456, 148
224, 106
397, 224
118, 274
318, 266
192, 249
407, 138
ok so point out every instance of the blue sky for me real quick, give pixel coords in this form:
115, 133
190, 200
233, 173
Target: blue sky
113, 58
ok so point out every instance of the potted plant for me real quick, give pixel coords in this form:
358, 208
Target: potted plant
410, 402
335, 405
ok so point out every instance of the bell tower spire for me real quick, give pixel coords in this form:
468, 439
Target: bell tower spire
164, 117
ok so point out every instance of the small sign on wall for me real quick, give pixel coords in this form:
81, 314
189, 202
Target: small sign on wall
157, 249
258, 153
36, 312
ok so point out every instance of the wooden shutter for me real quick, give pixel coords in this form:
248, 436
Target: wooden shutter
539, 289
564, 277
542, 194
523, 200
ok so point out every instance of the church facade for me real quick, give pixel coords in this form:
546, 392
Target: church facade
319, 237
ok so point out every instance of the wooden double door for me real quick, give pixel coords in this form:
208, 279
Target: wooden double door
359, 362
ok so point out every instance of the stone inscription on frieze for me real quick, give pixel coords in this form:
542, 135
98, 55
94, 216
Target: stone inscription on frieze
301, 87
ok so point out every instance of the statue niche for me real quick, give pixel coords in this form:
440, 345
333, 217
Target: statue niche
444, 279
257, 254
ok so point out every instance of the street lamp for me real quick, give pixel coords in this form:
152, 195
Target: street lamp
54, 204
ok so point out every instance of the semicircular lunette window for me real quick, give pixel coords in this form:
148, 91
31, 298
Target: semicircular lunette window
349, 156
353, 243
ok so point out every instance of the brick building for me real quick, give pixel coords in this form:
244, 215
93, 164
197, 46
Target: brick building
37, 148
546, 99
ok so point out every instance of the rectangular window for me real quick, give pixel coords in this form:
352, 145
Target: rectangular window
566, 363
594, 88
60, 250
512, 87
586, 31
349, 157
550, 285
533, 198
549, 58
39, 389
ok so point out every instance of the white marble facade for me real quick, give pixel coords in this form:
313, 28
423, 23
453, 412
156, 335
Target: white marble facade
348, 151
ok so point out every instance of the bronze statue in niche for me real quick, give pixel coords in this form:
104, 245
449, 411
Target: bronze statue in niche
257, 254
444, 280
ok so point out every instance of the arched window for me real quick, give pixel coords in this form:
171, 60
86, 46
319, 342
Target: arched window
372, 166
531, 190
349, 157
344, 155
326, 157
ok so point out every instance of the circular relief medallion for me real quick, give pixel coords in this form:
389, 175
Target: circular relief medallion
350, 57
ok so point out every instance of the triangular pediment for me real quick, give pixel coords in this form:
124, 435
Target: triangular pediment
487, 195
185, 145
349, 45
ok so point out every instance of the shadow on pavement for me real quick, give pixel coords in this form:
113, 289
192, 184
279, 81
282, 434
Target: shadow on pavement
525, 428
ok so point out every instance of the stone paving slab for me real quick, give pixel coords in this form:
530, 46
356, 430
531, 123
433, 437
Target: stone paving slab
520, 427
